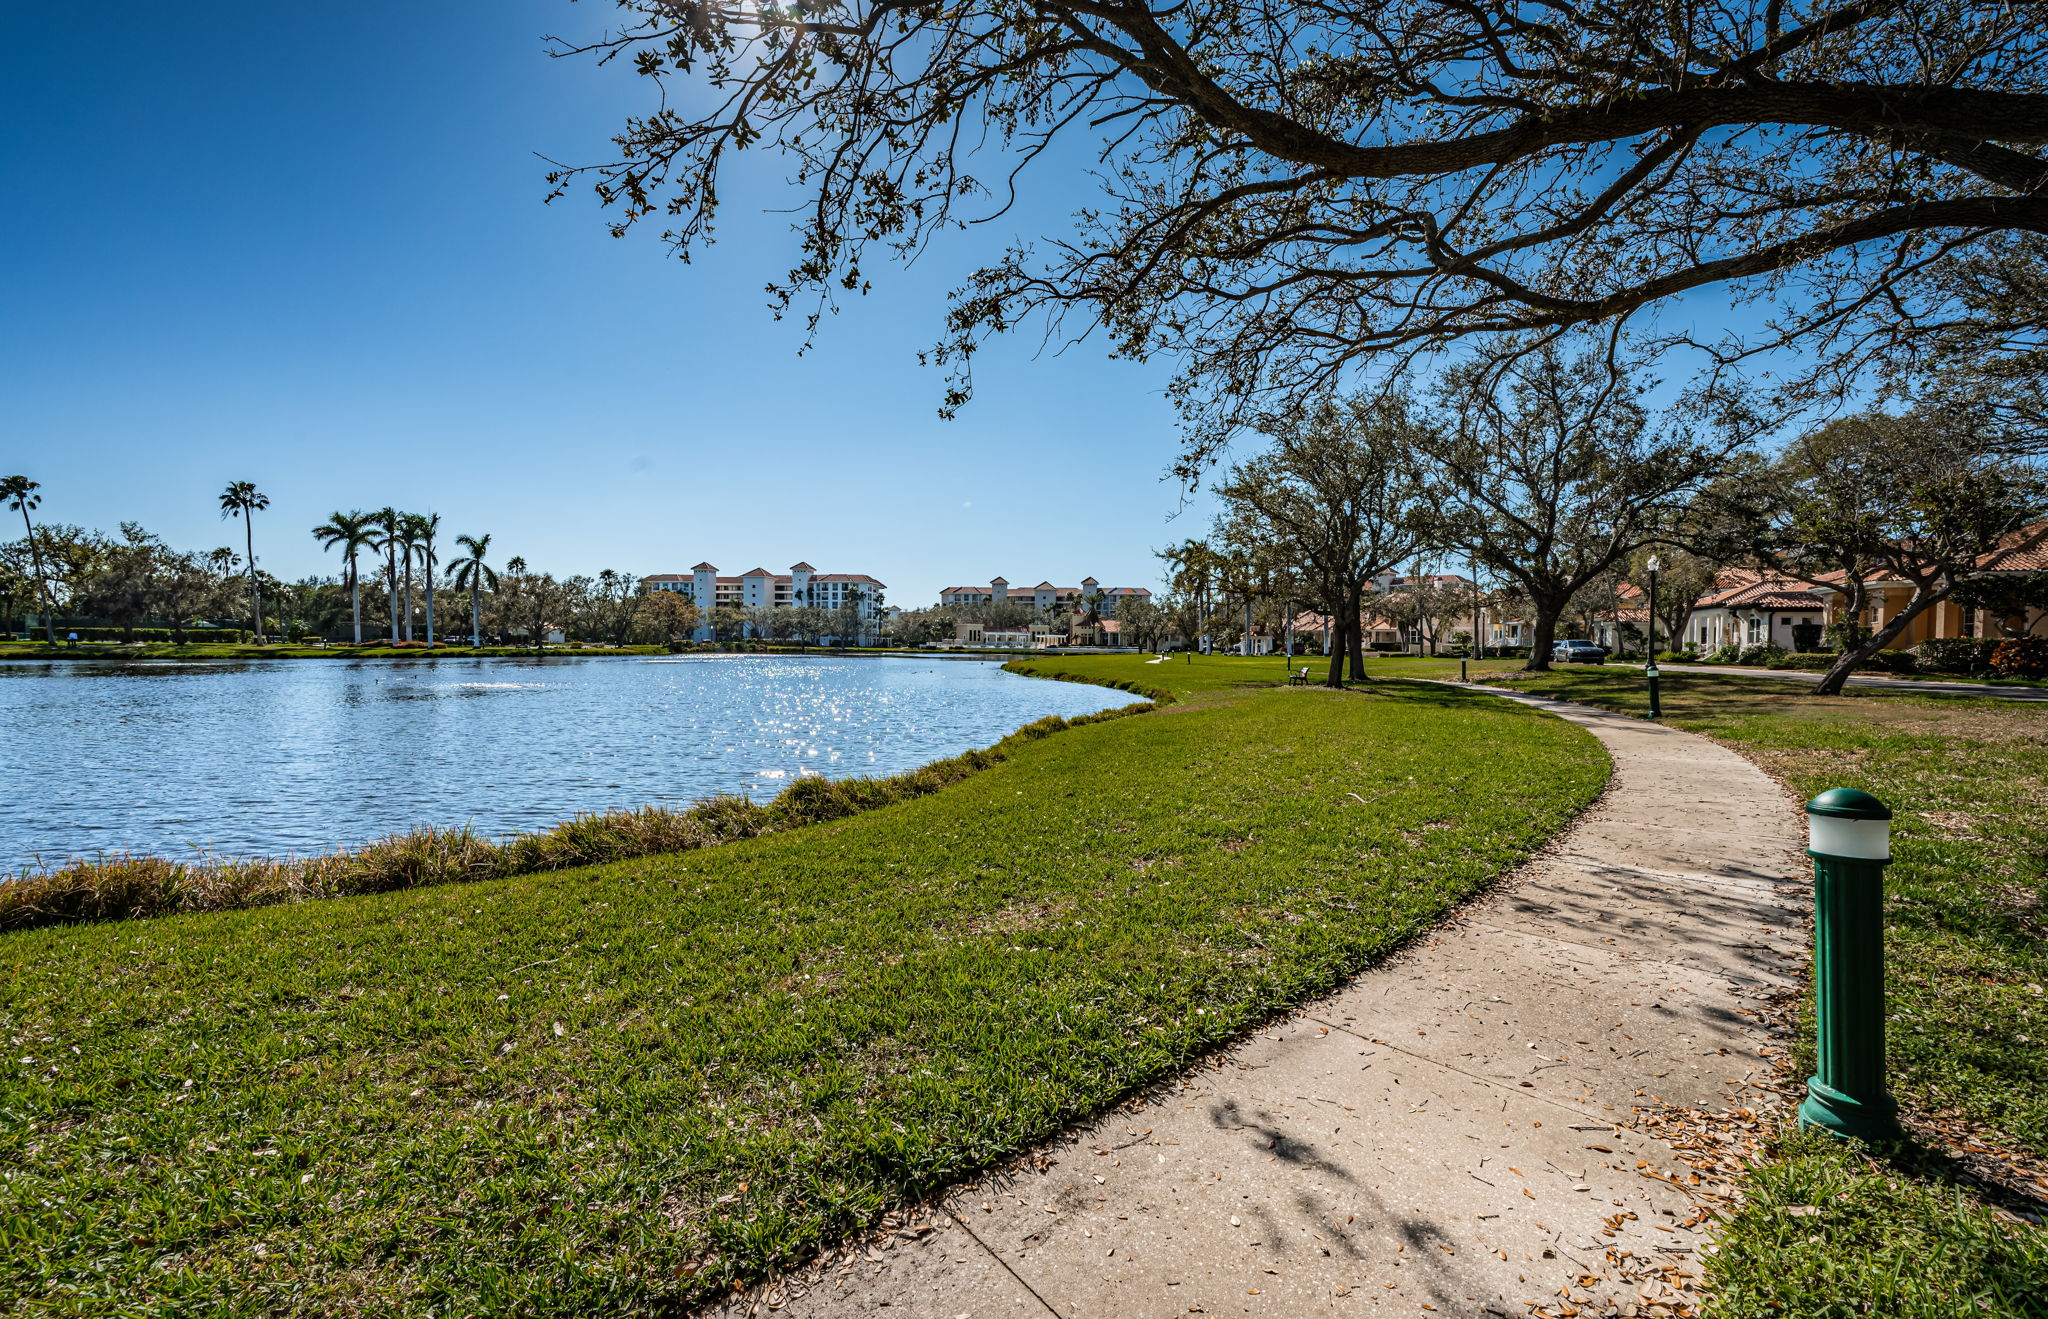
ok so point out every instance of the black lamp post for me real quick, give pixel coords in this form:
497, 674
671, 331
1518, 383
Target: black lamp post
1650, 669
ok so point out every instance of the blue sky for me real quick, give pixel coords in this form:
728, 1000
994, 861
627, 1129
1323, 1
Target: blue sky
306, 246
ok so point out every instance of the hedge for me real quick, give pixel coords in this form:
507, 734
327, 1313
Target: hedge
152, 634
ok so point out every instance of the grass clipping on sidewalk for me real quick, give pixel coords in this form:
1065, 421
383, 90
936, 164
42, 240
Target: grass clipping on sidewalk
624, 1089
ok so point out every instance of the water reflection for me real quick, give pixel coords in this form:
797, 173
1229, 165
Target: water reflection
280, 757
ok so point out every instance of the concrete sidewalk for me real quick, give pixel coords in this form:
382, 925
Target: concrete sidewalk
1444, 1135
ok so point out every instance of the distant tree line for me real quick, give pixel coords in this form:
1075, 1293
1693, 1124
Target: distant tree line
68, 577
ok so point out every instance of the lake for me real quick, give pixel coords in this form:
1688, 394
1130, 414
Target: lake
290, 757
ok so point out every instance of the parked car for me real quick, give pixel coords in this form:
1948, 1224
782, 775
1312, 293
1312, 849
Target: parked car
1578, 652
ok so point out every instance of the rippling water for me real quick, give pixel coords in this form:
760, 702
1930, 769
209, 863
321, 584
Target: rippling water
291, 757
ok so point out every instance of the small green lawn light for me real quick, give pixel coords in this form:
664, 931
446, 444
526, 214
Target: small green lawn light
1655, 565
1849, 837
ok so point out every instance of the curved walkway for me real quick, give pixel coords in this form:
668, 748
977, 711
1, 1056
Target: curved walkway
1447, 1132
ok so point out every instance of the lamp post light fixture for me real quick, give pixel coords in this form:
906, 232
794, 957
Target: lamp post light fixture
1650, 669
1849, 839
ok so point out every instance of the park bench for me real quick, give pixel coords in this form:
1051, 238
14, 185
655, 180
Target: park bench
1298, 678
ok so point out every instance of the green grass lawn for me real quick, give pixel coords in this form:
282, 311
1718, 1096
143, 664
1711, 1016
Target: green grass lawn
1968, 993
621, 1089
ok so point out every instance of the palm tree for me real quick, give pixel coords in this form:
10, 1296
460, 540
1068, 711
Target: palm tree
242, 497
515, 567
20, 492
408, 533
353, 533
472, 574
425, 528
1091, 615
384, 540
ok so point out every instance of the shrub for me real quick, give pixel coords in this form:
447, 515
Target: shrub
1954, 655
1890, 661
1725, 655
1809, 661
1842, 636
151, 634
2021, 657
1762, 653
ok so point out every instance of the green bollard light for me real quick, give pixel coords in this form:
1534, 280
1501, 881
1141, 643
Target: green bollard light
1849, 839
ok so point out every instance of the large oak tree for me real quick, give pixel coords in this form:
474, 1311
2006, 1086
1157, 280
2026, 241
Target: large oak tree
1288, 188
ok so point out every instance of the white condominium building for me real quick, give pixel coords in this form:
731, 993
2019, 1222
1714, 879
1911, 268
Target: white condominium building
1044, 596
760, 589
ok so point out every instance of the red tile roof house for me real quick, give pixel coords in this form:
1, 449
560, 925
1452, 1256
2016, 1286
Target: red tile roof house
1751, 608
1378, 632
2025, 550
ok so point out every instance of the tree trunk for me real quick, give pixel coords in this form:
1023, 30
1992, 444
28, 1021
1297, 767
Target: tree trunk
355, 598
1333, 645
429, 588
1832, 682
255, 591
1544, 636
476, 617
391, 589
1351, 633
35, 555
408, 595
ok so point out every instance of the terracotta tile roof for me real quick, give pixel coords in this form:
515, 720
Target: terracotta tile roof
1763, 593
845, 577
666, 577
2025, 550
801, 567
705, 567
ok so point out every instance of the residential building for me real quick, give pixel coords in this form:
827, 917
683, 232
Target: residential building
1035, 636
1750, 608
1384, 634
1044, 597
802, 585
2025, 550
